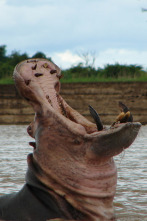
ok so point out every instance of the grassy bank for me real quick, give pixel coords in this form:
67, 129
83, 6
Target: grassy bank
88, 79
6, 81
82, 72
103, 79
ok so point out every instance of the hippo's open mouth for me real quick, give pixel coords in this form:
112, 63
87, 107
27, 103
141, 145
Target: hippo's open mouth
72, 156
38, 82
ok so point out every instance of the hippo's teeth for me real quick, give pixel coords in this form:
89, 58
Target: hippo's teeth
38, 74
59, 76
63, 110
34, 67
45, 65
96, 118
123, 107
53, 71
61, 106
33, 144
49, 100
27, 82
125, 115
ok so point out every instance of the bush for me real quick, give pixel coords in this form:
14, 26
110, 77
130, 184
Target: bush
117, 70
81, 71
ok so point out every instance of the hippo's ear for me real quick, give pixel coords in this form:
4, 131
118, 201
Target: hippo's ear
113, 141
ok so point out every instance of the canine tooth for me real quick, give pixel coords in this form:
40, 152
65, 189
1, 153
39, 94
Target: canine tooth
96, 118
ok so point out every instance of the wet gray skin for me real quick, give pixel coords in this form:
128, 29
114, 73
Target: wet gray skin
72, 157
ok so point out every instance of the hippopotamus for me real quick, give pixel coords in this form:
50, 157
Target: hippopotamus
71, 173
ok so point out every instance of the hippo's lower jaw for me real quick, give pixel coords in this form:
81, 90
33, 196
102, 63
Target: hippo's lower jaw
70, 156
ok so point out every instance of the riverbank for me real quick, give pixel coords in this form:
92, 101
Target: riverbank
103, 96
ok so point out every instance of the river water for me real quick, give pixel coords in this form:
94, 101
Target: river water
131, 196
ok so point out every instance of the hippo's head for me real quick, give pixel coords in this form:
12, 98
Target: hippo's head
71, 157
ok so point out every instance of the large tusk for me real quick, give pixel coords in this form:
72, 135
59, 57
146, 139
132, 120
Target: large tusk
96, 118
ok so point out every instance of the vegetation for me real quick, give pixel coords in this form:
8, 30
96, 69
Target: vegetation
7, 63
82, 72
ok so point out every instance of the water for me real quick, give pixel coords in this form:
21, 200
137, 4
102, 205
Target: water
131, 197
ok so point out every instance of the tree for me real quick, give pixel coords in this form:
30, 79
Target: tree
16, 57
2, 52
39, 55
89, 58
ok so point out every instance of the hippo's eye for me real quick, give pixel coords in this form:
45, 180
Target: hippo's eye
53, 71
38, 74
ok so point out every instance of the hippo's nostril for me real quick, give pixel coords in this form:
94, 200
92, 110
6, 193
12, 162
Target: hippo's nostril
53, 71
38, 74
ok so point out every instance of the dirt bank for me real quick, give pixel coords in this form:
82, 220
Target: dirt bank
104, 97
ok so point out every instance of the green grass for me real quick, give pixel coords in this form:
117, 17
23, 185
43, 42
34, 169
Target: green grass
102, 79
88, 80
6, 81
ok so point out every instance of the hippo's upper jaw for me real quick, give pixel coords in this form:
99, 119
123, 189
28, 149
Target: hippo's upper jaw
73, 158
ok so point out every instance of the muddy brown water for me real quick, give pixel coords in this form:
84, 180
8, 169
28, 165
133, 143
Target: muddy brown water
131, 196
